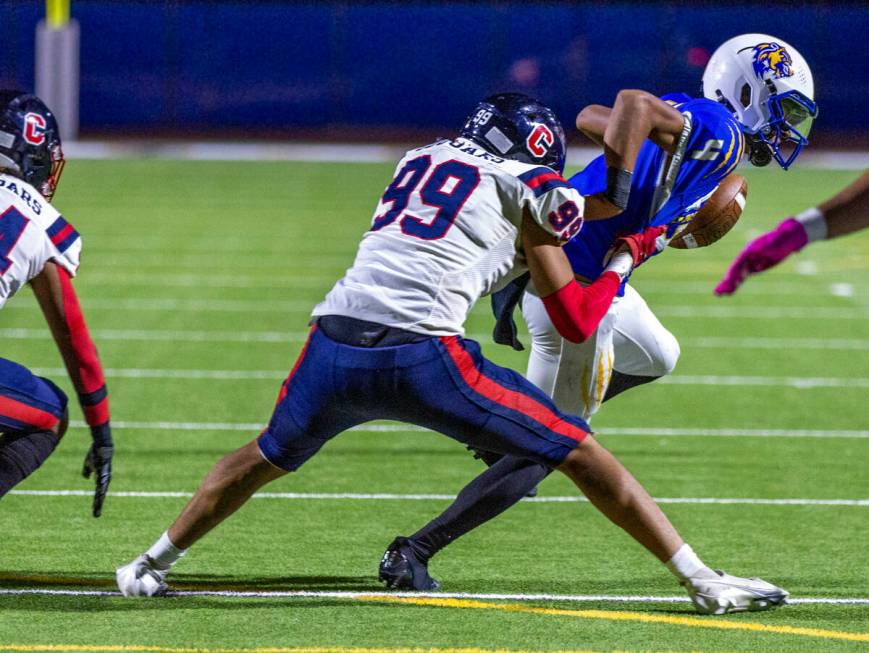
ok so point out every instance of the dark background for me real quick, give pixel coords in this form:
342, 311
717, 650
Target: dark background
339, 70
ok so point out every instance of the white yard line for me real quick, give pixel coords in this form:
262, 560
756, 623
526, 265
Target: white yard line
215, 375
410, 428
210, 305
265, 282
567, 598
26, 333
177, 304
761, 287
172, 336
705, 342
799, 382
842, 289
305, 306
735, 433
763, 312
715, 342
386, 496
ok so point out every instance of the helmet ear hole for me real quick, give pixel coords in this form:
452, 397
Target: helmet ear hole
745, 96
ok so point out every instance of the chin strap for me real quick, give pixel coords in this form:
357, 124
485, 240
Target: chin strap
759, 153
92, 393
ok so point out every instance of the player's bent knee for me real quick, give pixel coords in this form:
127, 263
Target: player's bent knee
21, 454
245, 466
577, 460
667, 356
589, 465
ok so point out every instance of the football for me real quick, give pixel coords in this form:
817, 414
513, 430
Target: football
716, 217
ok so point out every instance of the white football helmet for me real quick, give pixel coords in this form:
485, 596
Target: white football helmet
768, 87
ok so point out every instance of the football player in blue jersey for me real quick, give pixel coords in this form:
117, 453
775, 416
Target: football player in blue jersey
757, 100
389, 335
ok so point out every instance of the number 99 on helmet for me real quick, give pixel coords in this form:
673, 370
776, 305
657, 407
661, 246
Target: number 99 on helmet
516, 126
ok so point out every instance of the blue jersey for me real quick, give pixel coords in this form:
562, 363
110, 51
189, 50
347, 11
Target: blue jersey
715, 146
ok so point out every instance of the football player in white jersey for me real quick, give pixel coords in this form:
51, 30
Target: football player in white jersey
38, 246
461, 217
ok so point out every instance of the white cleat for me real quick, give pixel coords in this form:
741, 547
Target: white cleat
141, 578
727, 593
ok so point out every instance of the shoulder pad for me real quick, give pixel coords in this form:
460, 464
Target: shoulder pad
542, 180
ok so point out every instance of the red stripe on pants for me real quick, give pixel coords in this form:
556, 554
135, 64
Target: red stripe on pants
20, 412
283, 392
511, 399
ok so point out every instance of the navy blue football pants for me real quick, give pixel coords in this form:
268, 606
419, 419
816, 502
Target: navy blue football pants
28, 402
30, 407
443, 384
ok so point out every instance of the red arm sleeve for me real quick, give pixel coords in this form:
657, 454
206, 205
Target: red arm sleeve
576, 311
90, 384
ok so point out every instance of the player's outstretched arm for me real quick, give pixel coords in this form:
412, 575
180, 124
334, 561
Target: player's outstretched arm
575, 311
847, 211
59, 303
844, 213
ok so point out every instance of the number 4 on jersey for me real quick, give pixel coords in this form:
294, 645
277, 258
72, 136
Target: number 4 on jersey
447, 189
12, 225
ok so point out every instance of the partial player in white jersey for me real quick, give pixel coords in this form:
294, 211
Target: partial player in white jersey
39, 247
459, 218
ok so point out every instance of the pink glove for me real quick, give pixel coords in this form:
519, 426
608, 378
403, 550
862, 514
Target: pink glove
763, 253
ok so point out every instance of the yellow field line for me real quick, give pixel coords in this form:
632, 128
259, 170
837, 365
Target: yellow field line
619, 615
131, 648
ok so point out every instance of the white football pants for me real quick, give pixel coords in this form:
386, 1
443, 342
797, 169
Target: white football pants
629, 338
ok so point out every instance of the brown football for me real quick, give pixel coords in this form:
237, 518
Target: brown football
716, 217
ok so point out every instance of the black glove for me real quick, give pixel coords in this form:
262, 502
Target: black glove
98, 462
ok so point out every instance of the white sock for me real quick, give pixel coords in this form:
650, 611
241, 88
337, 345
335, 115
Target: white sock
685, 564
164, 553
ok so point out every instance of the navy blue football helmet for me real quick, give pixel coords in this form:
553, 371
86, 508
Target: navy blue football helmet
30, 141
516, 126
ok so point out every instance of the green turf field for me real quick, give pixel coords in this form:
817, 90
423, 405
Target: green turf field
197, 280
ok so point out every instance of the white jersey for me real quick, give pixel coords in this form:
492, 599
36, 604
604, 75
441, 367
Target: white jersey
32, 232
445, 233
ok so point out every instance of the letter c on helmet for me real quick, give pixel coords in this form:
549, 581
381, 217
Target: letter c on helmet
34, 129
540, 140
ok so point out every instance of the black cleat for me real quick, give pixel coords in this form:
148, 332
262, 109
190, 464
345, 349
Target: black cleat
401, 569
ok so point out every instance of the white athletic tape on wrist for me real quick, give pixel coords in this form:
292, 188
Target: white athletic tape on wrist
814, 223
622, 264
